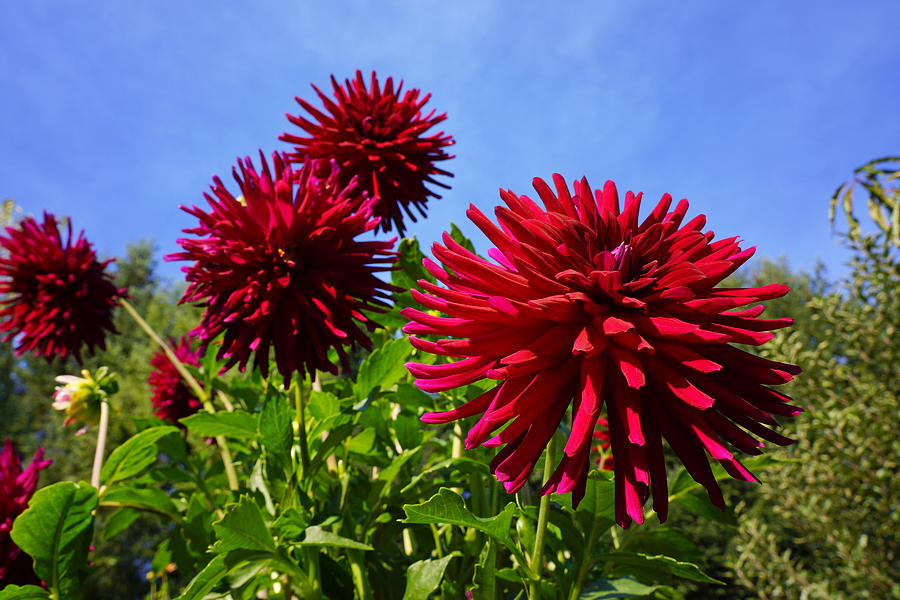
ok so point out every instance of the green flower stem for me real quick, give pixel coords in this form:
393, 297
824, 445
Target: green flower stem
300, 399
192, 383
537, 557
586, 560
102, 428
456, 450
358, 570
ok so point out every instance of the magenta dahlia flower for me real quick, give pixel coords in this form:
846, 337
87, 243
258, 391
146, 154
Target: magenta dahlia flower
172, 399
379, 137
16, 488
586, 306
56, 296
281, 269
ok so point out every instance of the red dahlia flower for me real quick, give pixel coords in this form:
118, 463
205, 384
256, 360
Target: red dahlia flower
586, 306
172, 399
379, 137
281, 268
56, 295
16, 488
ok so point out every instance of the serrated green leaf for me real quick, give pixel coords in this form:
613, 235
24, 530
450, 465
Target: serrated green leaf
243, 528
447, 506
238, 424
275, 431
135, 455
26, 592
424, 576
56, 531
316, 536
206, 580
384, 368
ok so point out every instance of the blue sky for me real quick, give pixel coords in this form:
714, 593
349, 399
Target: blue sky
117, 112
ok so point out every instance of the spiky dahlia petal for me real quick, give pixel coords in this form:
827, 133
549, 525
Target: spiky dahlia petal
585, 305
378, 136
281, 268
56, 297
172, 399
16, 488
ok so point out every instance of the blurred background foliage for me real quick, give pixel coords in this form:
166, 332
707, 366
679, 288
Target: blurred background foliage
823, 525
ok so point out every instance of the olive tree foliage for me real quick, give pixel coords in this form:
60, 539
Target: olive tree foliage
828, 524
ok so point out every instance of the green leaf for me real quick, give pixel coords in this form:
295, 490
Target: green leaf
684, 483
291, 524
238, 424
363, 442
410, 263
658, 567
698, 503
424, 576
56, 531
119, 521
662, 540
383, 368
485, 578
623, 587
206, 580
464, 464
148, 499
27, 592
461, 239
275, 431
243, 529
316, 536
387, 476
448, 507
599, 500
135, 455
335, 438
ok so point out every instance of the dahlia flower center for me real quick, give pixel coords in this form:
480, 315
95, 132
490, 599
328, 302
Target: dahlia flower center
290, 257
621, 259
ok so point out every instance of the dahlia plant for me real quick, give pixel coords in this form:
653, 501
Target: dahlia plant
348, 474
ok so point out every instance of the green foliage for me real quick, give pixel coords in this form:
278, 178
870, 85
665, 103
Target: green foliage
56, 531
825, 526
880, 178
341, 491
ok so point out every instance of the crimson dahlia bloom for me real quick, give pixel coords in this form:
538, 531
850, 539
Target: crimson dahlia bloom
16, 488
172, 399
56, 295
586, 306
281, 269
378, 136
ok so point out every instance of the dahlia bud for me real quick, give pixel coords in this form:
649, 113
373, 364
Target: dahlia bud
81, 397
